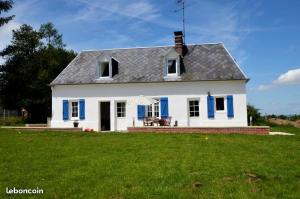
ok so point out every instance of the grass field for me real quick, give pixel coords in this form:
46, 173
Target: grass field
119, 166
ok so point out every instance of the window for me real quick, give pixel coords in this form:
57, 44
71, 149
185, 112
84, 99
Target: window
104, 69
194, 108
152, 110
172, 66
149, 110
156, 109
220, 104
74, 109
121, 109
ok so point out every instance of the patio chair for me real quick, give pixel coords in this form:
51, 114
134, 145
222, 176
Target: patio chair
148, 121
155, 120
165, 122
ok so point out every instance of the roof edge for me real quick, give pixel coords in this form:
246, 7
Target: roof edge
246, 80
246, 77
127, 48
65, 68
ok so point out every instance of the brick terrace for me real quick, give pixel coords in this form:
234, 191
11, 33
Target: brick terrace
259, 130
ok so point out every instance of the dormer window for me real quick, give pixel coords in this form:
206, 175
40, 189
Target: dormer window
104, 69
172, 66
107, 68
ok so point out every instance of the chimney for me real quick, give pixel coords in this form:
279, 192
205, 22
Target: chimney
179, 45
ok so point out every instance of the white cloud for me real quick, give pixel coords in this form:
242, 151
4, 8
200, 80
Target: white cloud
291, 77
20, 10
6, 33
95, 10
265, 87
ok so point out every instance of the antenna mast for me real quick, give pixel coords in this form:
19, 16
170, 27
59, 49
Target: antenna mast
183, 16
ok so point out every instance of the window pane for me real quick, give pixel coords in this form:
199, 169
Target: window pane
172, 66
220, 104
104, 69
156, 109
121, 109
74, 109
194, 108
149, 110
197, 108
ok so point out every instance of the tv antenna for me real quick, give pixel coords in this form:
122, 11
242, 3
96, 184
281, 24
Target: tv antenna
180, 3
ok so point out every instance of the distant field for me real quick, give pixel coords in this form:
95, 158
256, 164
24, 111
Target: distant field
119, 166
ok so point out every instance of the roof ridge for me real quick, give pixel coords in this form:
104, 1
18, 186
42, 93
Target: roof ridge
129, 48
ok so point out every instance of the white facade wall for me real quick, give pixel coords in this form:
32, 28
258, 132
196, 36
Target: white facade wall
178, 94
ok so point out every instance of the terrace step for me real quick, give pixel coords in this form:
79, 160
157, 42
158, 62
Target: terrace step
262, 130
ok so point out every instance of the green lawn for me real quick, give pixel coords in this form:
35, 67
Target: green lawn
119, 166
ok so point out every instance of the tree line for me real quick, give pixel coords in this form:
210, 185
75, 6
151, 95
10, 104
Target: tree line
32, 60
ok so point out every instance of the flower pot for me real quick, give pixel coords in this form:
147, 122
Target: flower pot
75, 124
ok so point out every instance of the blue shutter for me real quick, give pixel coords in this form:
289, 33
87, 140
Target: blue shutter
81, 109
164, 109
65, 110
210, 107
230, 106
141, 112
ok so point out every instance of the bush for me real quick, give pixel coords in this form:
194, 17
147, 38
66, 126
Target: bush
257, 119
294, 117
12, 121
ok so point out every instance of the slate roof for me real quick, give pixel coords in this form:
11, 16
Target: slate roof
201, 63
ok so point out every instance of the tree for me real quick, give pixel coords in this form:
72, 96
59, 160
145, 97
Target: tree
25, 42
50, 61
51, 35
29, 68
253, 112
17, 72
4, 7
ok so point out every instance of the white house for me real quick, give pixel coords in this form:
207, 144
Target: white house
195, 85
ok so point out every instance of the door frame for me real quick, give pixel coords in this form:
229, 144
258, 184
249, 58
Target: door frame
189, 118
99, 113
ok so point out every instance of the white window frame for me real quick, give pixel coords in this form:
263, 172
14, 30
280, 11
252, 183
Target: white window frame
152, 109
71, 109
100, 69
149, 109
172, 55
156, 105
189, 111
176, 66
125, 109
224, 101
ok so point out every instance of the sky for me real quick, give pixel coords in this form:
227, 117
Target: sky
262, 35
